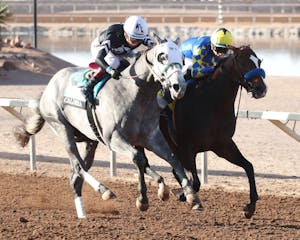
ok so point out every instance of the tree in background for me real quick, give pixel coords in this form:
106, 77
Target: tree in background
4, 14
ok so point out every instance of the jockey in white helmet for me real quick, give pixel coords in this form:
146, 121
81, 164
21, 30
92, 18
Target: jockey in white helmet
111, 48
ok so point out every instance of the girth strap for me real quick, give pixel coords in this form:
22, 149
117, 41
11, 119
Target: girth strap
90, 110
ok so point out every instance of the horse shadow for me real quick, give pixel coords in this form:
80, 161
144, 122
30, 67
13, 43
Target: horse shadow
130, 166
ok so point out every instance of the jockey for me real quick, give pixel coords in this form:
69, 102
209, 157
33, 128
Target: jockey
201, 56
111, 48
203, 53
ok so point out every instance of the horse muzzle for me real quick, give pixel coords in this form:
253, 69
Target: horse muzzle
177, 91
259, 93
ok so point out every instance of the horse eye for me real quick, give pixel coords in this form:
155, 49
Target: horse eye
162, 58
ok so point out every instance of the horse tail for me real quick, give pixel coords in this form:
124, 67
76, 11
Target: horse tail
31, 126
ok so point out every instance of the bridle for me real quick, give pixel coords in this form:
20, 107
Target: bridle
163, 76
245, 79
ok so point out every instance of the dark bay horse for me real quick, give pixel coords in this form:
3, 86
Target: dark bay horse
128, 120
205, 117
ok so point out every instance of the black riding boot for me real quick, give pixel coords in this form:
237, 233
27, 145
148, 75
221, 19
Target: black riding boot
88, 90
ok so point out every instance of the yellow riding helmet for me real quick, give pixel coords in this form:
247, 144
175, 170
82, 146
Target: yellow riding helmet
221, 38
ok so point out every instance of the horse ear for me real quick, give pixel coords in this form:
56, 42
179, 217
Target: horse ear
177, 40
157, 38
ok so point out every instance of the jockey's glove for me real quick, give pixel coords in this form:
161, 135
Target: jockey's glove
207, 70
148, 42
114, 73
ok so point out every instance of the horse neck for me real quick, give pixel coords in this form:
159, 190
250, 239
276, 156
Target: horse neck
140, 70
141, 74
228, 81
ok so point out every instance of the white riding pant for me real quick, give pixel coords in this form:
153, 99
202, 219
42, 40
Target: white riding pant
111, 59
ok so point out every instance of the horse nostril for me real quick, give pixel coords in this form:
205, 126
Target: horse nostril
176, 87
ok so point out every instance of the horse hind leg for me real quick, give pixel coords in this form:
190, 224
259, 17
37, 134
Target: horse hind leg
163, 191
88, 156
78, 165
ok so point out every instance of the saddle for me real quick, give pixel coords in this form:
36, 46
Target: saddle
95, 71
94, 79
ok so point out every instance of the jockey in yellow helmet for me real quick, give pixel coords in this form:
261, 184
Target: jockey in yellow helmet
201, 56
203, 53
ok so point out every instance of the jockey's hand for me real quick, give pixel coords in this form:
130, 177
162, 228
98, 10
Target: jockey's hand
148, 42
114, 73
207, 70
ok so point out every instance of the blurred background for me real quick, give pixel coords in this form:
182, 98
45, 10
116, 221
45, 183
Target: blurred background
66, 28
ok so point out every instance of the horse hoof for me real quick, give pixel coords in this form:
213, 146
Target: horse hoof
195, 201
192, 198
163, 192
108, 195
178, 193
249, 210
141, 206
198, 207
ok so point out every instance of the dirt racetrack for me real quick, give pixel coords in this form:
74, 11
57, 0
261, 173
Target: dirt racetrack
39, 207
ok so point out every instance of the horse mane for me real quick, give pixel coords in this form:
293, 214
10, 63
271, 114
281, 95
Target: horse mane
224, 59
245, 47
221, 62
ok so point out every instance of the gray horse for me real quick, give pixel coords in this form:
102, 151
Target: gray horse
127, 117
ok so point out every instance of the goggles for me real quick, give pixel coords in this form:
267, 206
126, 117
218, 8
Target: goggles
134, 40
220, 49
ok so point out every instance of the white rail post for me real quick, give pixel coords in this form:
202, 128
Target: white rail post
204, 171
9, 104
113, 164
220, 12
32, 153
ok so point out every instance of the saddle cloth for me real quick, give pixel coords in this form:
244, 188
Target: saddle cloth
73, 94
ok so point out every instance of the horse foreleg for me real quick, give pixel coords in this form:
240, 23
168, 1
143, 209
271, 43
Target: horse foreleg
189, 193
189, 164
249, 209
178, 192
230, 152
163, 190
196, 186
142, 202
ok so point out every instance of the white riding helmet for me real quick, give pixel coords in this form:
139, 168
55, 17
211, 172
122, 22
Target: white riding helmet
136, 27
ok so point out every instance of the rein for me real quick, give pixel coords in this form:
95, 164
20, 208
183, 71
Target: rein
148, 64
240, 83
150, 67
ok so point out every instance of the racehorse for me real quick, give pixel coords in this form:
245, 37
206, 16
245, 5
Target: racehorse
127, 118
205, 117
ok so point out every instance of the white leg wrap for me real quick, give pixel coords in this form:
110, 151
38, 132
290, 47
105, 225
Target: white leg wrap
80, 207
90, 180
